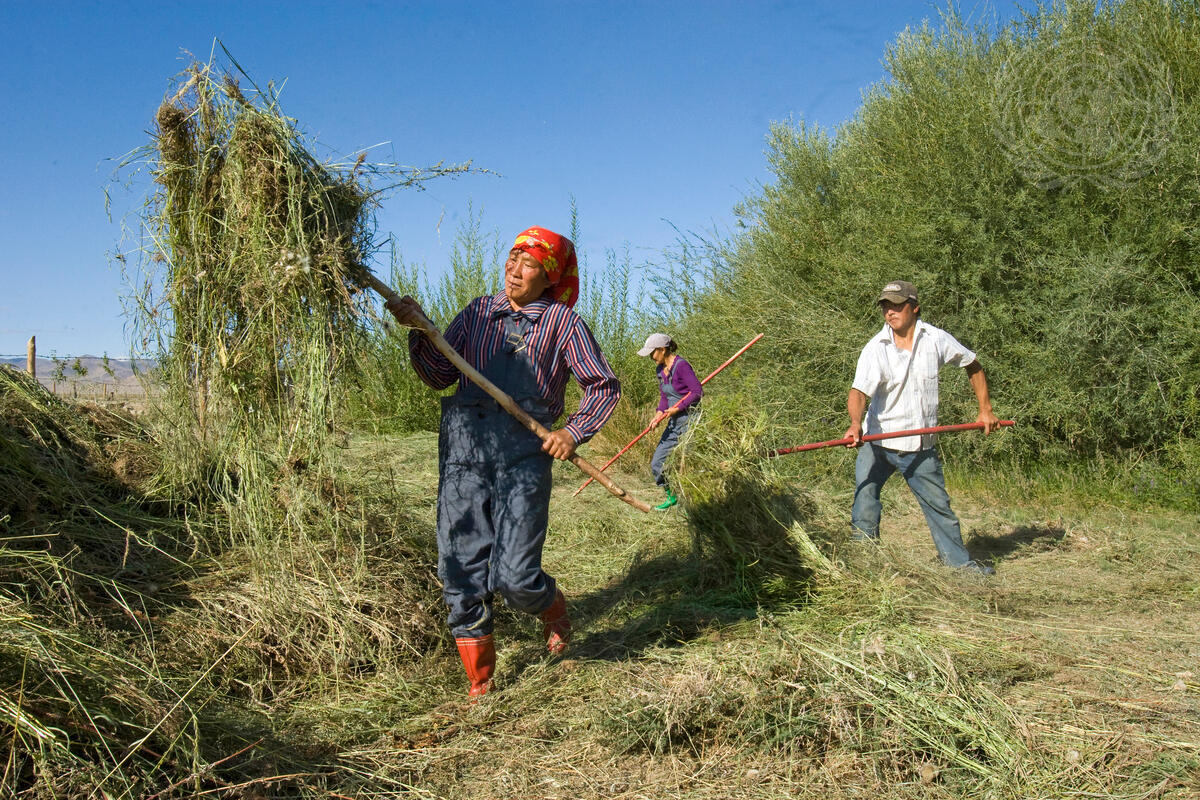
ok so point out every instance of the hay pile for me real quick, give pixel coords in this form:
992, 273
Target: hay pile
247, 285
251, 290
136, 646
243, 215
68, 511
81, 552
752, 527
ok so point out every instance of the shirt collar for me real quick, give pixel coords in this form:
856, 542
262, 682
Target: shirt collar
888, 336
533, 311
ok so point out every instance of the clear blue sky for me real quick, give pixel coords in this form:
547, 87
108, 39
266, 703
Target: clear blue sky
650, 114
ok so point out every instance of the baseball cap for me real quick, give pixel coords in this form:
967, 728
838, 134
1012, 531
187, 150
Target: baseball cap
653, 342
898, 292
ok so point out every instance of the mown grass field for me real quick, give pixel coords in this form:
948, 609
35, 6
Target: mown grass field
234, 593
161, 649
1071, 673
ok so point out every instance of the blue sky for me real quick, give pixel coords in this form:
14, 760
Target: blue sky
652, 115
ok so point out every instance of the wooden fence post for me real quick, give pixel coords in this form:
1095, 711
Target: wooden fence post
31, 357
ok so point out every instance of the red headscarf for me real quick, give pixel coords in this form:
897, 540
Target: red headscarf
556, 254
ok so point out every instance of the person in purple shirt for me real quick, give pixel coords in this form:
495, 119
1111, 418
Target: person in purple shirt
679, 393
493, 473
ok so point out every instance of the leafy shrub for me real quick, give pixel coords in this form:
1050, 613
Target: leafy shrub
1078, 288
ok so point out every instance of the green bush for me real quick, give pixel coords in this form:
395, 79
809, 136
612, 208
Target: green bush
388, 396
1065, 256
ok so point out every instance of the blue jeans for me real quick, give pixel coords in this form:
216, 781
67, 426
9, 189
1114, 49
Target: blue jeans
675, 428
923, 472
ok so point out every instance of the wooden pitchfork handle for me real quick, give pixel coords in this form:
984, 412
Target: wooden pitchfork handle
507, 403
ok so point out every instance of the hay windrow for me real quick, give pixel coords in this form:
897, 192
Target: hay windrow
70, 512
82, 553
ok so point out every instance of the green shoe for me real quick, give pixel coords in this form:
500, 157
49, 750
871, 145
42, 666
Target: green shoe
670, 501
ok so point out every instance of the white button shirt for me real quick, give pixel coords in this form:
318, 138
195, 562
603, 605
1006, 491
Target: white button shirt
903, 386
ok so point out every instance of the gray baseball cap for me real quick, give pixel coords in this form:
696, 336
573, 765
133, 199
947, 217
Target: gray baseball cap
653, 342
898, 292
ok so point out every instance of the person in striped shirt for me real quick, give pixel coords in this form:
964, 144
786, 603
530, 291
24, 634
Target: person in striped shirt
897, 377
493, 473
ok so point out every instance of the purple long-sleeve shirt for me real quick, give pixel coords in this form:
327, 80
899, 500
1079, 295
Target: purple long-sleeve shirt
683, 380
560, 344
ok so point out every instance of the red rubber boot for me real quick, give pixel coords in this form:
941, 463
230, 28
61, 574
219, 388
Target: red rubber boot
556, 626
479, 657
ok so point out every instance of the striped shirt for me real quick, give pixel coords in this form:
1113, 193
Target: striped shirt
903, 385
560, 344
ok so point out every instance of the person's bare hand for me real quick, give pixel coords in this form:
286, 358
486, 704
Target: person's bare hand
854, 432
990, 421
407, 311
560, 444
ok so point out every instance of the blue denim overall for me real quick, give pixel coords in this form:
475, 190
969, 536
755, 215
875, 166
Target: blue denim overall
493, 493
676, 427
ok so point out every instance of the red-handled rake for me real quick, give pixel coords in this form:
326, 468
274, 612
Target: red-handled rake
875, 437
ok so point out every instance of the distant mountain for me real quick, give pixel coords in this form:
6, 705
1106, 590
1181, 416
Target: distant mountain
121, 367
91, 377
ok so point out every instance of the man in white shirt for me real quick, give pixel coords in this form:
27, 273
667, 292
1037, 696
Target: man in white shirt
897, 380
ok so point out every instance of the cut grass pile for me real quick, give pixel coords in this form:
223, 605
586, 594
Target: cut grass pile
251, 240
71, 517
82, 555
138, 646
754, 527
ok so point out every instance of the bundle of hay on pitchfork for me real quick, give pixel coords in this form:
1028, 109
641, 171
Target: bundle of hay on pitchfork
248, 285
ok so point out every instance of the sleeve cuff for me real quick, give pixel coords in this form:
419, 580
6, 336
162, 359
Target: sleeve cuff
576, 433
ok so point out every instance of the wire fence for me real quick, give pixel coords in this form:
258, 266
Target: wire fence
95, 384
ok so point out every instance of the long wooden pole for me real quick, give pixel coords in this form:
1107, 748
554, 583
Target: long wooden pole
507, 403
31, 357
654, 424
875, 437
